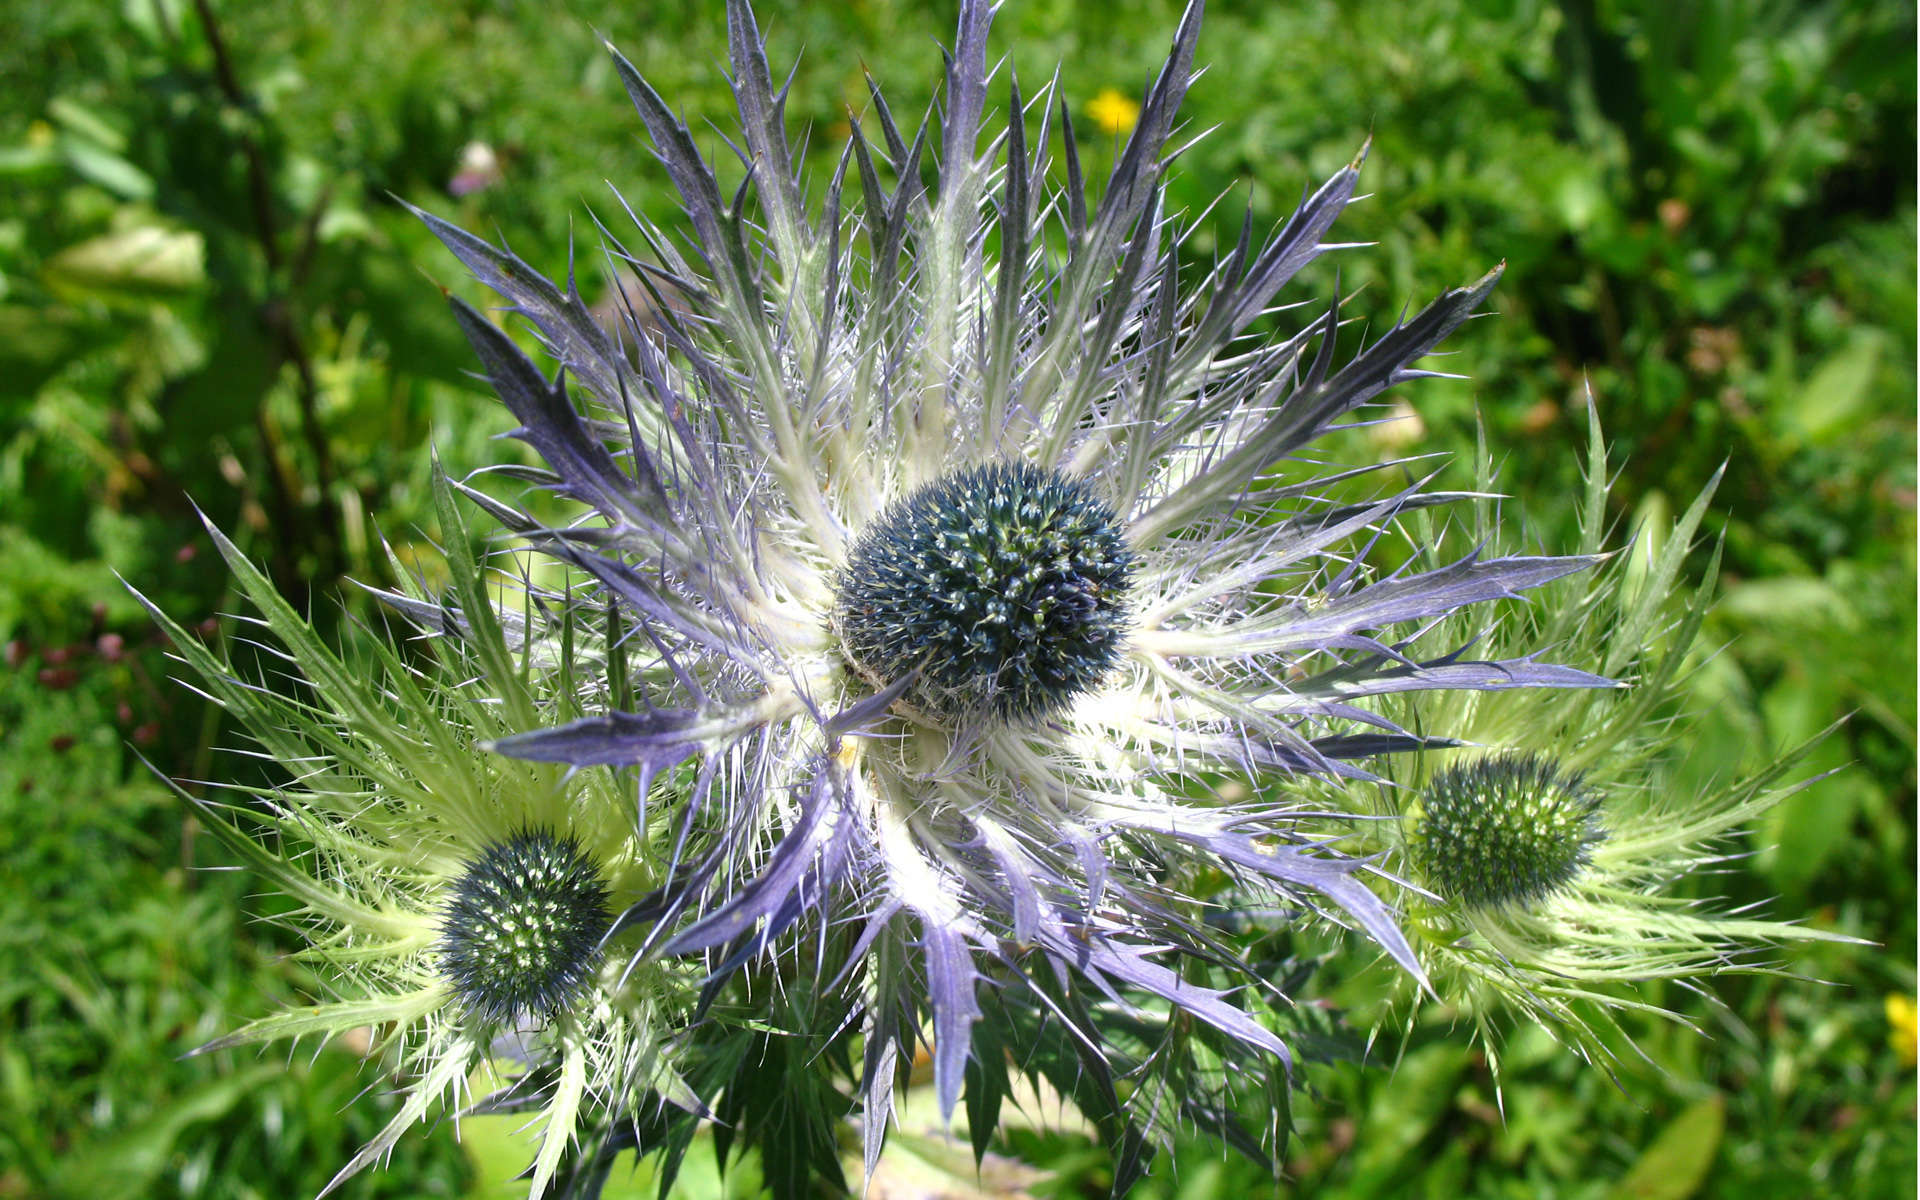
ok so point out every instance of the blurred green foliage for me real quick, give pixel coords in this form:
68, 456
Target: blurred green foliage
208, 296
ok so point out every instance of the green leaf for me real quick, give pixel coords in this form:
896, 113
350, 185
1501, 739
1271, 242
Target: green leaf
986, 1086
1829, 404
476, 602
142, 262
129, 1163
1676, 1164
17, 161
82, 121
1806, 831
107, 169
330, 1019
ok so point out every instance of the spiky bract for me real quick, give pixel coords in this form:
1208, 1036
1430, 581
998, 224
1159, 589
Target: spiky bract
1002, 587
1503, 829
522, 932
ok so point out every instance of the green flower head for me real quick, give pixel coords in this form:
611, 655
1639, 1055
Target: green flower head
1555, 859
1505, 829
447, 895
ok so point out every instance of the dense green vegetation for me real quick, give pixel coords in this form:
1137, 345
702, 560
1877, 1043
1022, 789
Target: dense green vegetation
209, 297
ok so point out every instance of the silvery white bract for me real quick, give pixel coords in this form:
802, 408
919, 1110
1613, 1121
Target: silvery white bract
965, 544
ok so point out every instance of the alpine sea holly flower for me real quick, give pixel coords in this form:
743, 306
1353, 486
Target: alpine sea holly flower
1552, 847
448, 897
969, 538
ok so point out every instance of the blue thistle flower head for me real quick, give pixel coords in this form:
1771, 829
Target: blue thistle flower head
962, 536
1001, 589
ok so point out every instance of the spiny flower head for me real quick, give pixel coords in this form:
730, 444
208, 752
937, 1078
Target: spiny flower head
448, 897
522, 932
1559, 861
1002, 588
1503, 829
967, 534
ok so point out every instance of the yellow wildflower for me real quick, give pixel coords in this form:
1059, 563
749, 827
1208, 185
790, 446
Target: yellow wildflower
1901, 1020
1113, 111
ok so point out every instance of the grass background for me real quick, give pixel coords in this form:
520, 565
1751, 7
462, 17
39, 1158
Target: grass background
208, 296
